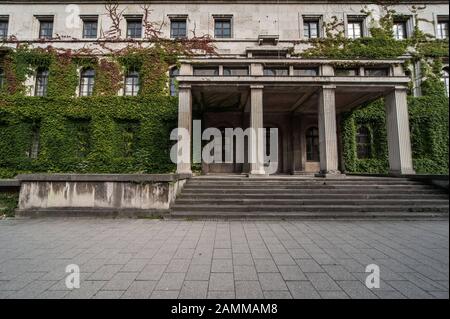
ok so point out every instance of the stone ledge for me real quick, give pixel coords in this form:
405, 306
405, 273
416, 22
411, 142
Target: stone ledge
90, 212
137, 178
9, 183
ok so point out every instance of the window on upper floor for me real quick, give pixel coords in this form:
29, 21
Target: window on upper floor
355, 27
308, 71
178, 28
87, 79
222, 27
132, 85
442, 28
400, 29
45, 27
134, 28
2, 79
382, 72
235, 71
4, 27
41, 82
311, 27
363, 142
90, 27
206, 71
346, 72
174, 72
445, 80
276, 71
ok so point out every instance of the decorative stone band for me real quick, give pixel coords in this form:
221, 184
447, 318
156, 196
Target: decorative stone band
132, 195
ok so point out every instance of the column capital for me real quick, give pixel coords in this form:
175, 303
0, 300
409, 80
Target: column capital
254, 86
329, 86
400, 88
184, 86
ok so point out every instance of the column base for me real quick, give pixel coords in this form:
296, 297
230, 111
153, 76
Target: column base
258, 173
397, 173
330, 174
184, 172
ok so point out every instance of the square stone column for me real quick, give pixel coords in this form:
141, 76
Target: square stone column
184, 122
327, 132
399, 142
256, 150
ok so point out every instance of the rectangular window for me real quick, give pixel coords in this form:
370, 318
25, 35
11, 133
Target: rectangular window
174, 72
90, 26
41, 83
134, 28
306, 72
132, 84
311, 28
222, 28
400, 32
442, 28
355, 27
45, 28
87, 82
276, 71
3, 27
346, 72
2, 79
178, 28
235, 71
376, 72
206, 71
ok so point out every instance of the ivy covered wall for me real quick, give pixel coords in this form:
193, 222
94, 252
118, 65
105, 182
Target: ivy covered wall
95, 134
428, 120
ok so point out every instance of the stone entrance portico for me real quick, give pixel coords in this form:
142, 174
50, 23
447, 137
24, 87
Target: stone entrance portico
293, 104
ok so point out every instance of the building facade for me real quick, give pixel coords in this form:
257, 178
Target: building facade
259, 76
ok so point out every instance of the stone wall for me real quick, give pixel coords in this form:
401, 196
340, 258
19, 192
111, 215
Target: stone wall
97, 194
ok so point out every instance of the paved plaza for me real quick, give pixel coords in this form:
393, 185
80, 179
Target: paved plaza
143, 258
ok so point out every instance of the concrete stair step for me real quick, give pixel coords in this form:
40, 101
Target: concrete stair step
318, 191
306, 215
315, 208
238, 196
308, 187
304, 202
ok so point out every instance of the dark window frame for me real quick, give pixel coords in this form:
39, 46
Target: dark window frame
41, 83
89, 76
312, 144
46, 26
136, 31
404, 26
307, 28
276, 71
442, 28
135, 83
353, 21
2, 78
88, 33
215, 69
175, 28
363, 142
341, 71
4, 26
228, 70
367, 72
220, 31
315, 69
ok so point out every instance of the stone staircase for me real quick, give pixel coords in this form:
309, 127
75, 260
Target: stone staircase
307, 197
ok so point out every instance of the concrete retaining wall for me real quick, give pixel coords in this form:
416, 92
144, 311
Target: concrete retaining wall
97, 194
